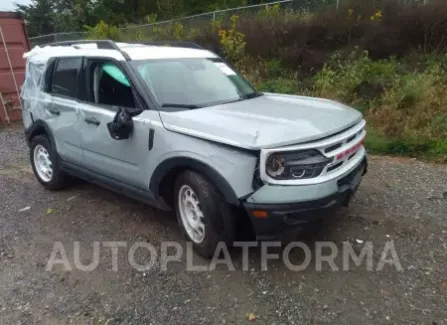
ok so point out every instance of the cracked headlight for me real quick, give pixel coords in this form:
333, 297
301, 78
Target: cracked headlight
295, 164
275, 165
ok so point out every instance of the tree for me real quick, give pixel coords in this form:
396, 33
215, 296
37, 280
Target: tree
52, 16
39, 15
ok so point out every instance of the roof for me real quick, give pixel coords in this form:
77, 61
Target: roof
11, 14
135, 52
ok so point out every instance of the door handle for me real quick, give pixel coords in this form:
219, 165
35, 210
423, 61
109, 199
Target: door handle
54, 111
92, 120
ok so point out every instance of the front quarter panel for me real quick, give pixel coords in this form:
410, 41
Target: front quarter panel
234, 165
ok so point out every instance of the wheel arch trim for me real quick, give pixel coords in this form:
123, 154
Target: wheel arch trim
209, 172
36, 128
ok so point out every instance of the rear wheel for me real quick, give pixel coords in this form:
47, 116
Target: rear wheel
203, 214
45, 163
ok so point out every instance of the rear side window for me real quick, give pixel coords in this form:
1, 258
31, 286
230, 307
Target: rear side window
65, 77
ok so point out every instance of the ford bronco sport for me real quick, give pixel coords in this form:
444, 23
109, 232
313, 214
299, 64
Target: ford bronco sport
176, 127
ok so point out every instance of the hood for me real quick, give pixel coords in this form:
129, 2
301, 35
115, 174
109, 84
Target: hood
268, 121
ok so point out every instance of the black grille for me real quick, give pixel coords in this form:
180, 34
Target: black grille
352, 156
335, 166
332, 148
351, 138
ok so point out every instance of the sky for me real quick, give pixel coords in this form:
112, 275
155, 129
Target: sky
8, 5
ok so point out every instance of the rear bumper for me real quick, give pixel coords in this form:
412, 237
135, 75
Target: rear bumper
279, 218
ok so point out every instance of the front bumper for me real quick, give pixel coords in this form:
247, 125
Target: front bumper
273, 219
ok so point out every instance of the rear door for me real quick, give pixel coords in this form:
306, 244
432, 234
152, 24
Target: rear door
63, 109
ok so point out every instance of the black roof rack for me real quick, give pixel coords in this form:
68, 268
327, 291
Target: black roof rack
101, 44
111, 45
185, 44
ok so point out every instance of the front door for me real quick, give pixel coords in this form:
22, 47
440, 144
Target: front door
120, 160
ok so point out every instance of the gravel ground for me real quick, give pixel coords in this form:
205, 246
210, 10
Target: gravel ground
13, 148
400, 200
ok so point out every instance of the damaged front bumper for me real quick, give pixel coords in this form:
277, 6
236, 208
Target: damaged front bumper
274, 210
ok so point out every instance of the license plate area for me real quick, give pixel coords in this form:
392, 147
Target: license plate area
352, 180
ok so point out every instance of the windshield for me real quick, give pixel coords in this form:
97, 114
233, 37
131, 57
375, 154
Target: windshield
193, 83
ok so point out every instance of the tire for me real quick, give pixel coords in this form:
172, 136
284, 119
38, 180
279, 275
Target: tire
41, 146
217, 220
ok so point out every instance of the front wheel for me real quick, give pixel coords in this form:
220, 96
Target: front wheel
203, 214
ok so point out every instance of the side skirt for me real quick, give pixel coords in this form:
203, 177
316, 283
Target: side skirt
114, 185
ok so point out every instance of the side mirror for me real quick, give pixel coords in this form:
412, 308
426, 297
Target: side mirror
122, 125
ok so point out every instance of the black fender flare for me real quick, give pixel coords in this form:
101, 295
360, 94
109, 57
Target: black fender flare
190, 163
36, 128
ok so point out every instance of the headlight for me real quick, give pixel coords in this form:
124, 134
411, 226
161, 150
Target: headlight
296, 165
275, 165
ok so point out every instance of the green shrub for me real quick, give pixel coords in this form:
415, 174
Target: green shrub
103, 31
270, 11
304, 41
232, 42
357, 78
380, 143
178, 31
439, 125
216, 25
438, 151
151, 19
279, 85
274, 69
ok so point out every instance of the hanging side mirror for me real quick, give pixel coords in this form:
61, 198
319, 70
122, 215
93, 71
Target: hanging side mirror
122, 125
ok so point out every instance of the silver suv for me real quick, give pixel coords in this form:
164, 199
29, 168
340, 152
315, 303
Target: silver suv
176, 127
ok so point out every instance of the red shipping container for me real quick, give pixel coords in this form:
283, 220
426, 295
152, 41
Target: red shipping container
14, 43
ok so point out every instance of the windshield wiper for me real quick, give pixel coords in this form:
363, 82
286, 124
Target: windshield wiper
181, 105
252, 95
245, 97
191, 106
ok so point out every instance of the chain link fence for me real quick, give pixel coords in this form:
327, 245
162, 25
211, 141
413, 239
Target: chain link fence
197, 22
57, 37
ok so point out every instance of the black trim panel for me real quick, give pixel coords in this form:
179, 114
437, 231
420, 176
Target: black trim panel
183, 44
151, 138
48, 75
285, 217
113, 185
189, 163
101, 44
36, 128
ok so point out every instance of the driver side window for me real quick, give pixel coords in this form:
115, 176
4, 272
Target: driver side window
107, 84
